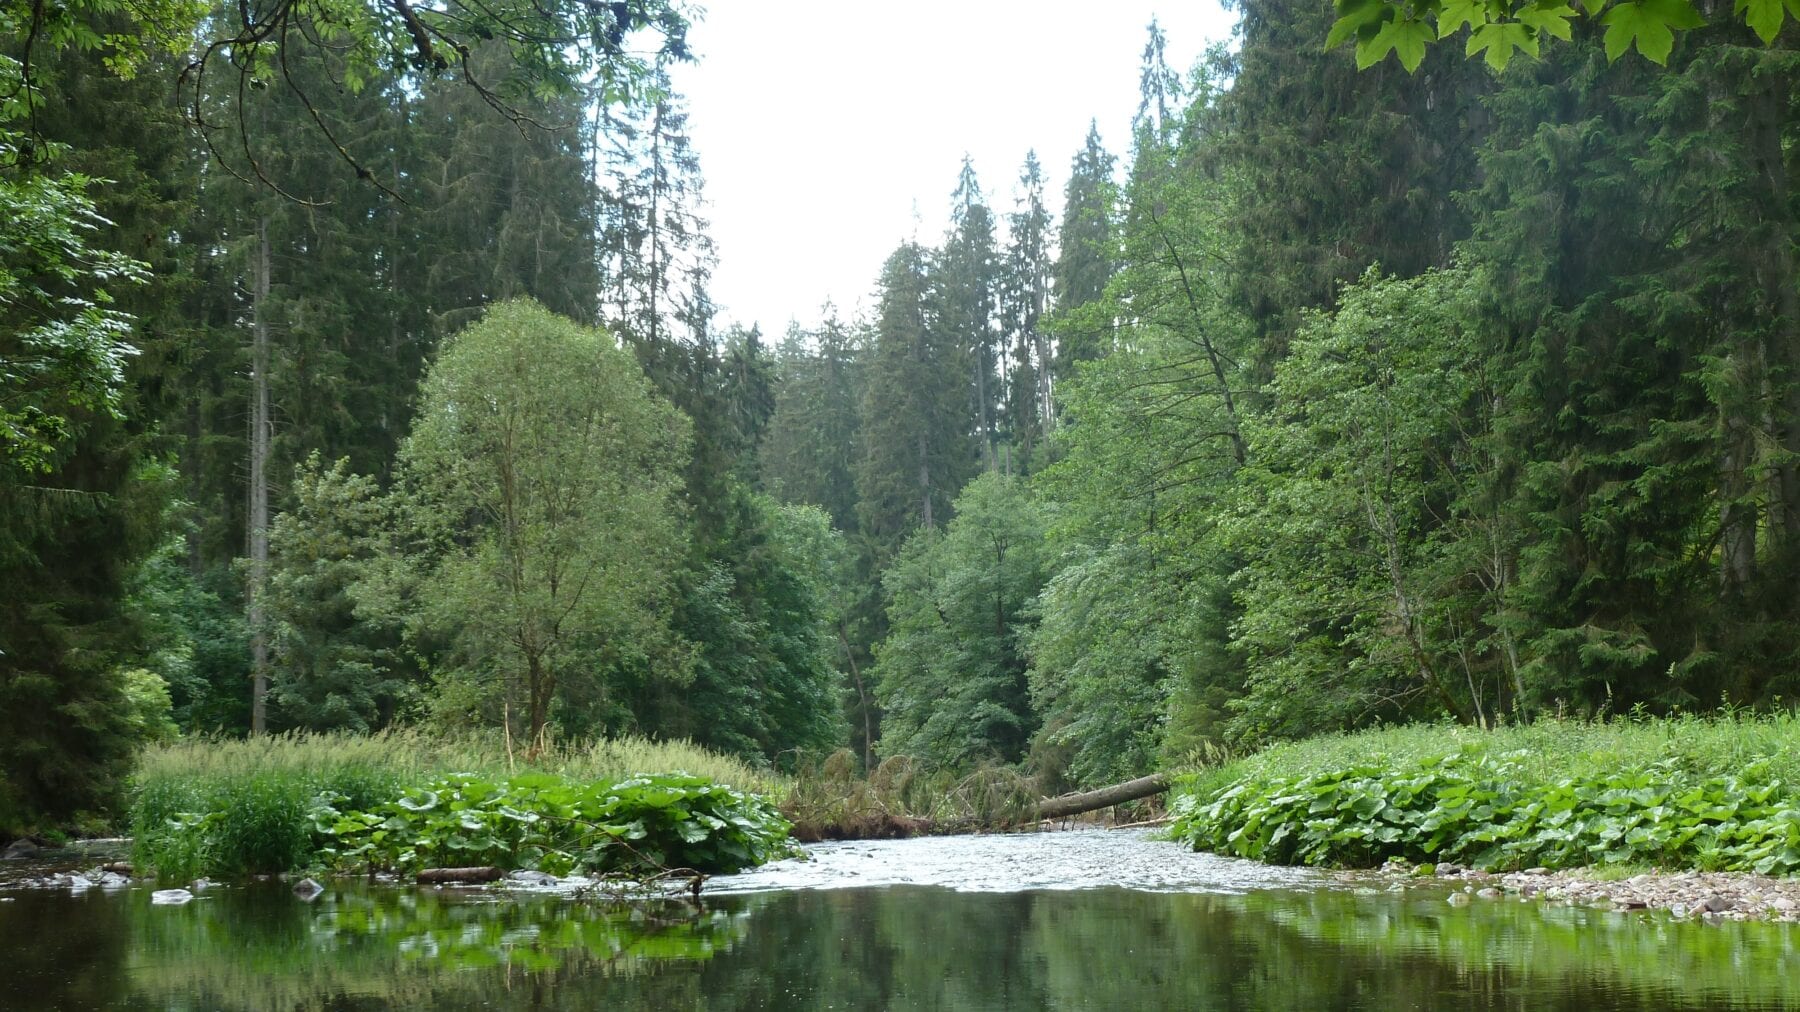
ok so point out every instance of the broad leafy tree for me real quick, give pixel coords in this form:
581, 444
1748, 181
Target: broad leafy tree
951, 672
543, 513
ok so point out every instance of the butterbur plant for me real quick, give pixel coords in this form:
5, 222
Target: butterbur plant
638, 825
1488, 812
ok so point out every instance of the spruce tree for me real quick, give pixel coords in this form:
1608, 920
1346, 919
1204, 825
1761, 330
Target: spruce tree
1025, 295
1085, 260
917, 419
964, 287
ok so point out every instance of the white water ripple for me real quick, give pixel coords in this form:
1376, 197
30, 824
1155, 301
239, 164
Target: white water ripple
1077, 859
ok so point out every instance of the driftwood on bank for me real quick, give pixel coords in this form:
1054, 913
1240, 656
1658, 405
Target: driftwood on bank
1105, 797
445, 876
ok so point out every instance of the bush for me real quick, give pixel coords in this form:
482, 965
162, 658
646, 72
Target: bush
1702, 794
641, 824
229, 808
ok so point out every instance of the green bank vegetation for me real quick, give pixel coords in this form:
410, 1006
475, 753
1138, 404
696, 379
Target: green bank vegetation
1714, 793
405, 801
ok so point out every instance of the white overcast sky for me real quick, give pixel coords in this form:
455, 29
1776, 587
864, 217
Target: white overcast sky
831, 130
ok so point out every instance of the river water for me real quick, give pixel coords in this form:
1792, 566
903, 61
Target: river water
1080, 920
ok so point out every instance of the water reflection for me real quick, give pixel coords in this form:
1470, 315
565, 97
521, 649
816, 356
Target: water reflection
900, 947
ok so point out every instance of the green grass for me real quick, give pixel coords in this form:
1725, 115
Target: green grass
1548, 749
233, 807
1719, 792
406, 756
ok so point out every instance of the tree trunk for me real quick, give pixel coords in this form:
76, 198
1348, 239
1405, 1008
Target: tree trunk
444, 876
863, 701
260, 438
538, 686
984, 414
1105, 797
924, 484
1046, 395
1770, 152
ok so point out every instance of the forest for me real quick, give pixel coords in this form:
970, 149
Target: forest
357, 377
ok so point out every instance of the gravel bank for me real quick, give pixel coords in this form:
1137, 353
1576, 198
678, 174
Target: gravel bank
1713, 896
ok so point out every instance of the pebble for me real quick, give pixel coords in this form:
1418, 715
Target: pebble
1711, 896
170, 897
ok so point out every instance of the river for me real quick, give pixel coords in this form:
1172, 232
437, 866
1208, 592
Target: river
1078, 920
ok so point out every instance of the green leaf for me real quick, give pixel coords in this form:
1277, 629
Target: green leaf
1406, 39
1353, 17
1763, 16
1499, 41
1648, 24
1457, 13
1551, 18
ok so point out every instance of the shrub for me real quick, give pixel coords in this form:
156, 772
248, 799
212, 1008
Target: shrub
642, 824
237, 807
1638, 804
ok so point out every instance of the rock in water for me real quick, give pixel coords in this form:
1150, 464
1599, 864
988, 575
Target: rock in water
18, 850
308, 890
170, 897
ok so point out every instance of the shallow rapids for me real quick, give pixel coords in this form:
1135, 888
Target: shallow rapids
1001, 863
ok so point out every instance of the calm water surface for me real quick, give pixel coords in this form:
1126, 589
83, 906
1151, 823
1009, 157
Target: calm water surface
1070, 920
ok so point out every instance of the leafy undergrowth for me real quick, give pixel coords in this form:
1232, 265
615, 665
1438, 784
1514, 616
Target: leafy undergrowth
639, 825
227, 809
1706, 794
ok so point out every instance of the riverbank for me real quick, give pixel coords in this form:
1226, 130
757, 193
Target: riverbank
1683, 895
231, 809
1688, 794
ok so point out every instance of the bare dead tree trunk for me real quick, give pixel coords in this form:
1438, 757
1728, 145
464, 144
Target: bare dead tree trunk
1105, 797
260, 438
863, 702
984, 412
445, 876
924, 483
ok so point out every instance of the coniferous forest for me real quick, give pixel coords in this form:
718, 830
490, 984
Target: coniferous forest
358, 374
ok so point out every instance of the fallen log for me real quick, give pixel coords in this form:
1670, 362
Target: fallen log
1162, 820
1105, 797
446, 876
